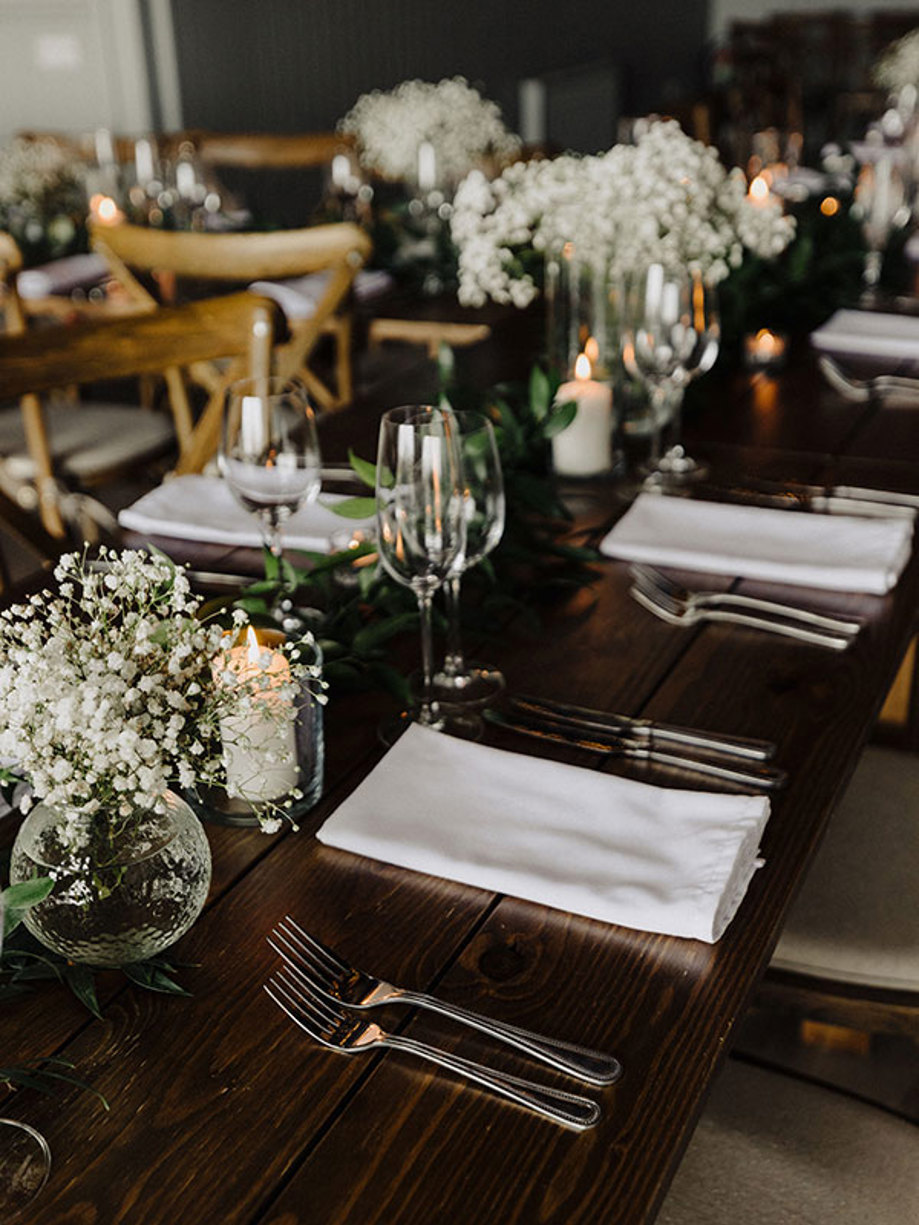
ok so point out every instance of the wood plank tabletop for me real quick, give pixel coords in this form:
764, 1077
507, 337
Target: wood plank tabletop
221, 1111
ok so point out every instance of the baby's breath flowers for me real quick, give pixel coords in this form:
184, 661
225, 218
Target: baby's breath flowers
109, 693
461, 125
665, 199
42, 197
898, 66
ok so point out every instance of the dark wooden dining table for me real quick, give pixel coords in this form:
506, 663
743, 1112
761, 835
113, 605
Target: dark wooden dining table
221, 1111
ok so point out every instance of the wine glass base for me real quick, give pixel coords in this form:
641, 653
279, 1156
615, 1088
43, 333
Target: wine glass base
25, 1163
451, 720
675, 469
475, 686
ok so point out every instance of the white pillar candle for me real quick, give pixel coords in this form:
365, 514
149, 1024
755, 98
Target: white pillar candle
143, 161
259, 745
427, 166
585, 448
531, 100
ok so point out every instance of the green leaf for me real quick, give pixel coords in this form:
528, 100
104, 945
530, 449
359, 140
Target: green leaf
446, 364
364, 469
381, 631
82, 983
560, 418
153, 978
17, 899
540, 393
392, 681
353, 508
272, 566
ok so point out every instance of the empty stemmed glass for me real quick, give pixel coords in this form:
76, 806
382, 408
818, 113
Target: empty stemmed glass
421, 522
670, 334
882, 200
483, 504
269, 452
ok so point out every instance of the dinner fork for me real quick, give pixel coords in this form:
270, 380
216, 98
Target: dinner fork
862, 391
345, 984
332, 1027
675, 613
653, 582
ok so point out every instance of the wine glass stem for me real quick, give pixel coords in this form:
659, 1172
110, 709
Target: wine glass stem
675, 414
427, 711
454, 663
272, 533
658, 419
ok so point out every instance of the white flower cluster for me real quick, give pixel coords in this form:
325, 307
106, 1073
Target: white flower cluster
665, 199
35, 172
112, 690
899, 64
461, 125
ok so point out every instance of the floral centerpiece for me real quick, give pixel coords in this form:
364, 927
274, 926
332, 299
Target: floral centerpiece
113, 691
461, 126
42, 199
424, 137
665, 199
898, 66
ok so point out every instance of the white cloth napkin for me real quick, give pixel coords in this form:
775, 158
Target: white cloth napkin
203, 508
298, 296
660, 860
836, 552
61, 276
854, 333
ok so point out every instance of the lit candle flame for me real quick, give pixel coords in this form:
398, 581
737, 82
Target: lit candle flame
759, 190
582, 367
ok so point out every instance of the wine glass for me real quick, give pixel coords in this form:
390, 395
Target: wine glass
483, 502
421, 521
269, 452
882, 200
25, 1158
670, 334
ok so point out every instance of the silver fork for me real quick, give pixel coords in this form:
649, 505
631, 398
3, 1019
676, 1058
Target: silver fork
675, 613
652, 582
342, 983
334, 1028
861, 391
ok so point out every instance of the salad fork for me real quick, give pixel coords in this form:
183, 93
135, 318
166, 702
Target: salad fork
675, 613
332, 1027
862, 391
342, 983
653, 582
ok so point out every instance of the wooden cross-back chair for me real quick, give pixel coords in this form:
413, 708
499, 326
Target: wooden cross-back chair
241, 327
336, 251
266, 150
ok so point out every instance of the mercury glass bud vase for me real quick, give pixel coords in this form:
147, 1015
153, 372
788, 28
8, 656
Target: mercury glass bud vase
125, 887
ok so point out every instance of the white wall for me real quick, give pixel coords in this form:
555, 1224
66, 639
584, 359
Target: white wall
723, 12
72, 66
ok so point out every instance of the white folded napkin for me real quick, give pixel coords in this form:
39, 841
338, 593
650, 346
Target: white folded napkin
660, 860
836, 552
62, 276
298, 296
203, 508
855, 333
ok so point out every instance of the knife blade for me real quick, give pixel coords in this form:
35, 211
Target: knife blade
759, 777
645, 730
817, 499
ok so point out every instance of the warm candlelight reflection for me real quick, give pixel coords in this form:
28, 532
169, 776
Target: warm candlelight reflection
105, 210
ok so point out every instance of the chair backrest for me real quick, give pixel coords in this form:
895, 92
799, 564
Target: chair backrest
11, 311
341, 247
265, 150
338, 250
241, 327
236, 325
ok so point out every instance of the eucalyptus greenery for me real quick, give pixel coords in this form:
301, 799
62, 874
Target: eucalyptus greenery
19, 965
359, 622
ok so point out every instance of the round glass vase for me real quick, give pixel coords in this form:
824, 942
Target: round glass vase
125, 888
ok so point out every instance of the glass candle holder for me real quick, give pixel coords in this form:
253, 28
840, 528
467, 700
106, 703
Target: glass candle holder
269, 761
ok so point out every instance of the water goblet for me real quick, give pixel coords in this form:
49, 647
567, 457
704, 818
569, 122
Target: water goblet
269, 452
421, 523
670, 335
473, 684
25, 1158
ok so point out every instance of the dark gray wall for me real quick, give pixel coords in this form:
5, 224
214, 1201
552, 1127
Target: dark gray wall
298, 65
